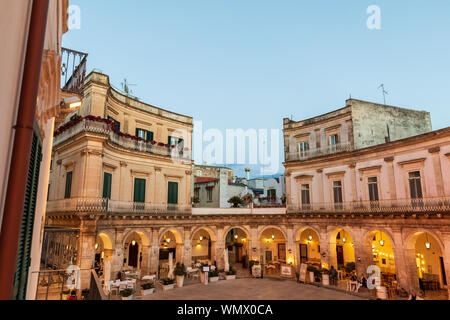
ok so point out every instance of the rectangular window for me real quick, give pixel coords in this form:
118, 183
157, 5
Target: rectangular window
303, 148
144, 134
197, 193
334, 139
68, 190
373, 188
209, 193
337, 191
415, 185
172, 197
306, 200
139, 190
107, 179
174, 141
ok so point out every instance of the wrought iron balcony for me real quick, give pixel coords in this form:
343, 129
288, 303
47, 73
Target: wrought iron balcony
127, 142
73, 70
314, 153
101, 205
398, 206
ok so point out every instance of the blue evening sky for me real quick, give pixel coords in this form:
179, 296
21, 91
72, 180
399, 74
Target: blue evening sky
251, 63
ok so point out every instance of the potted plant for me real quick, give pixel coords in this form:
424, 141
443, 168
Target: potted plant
236, 201
147, 288
231, 274
127, 294
180, 272
350, 267
325, 276
167, 284
213, 276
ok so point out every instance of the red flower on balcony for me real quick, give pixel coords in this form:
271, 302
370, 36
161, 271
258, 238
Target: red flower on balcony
153, 142
161, 144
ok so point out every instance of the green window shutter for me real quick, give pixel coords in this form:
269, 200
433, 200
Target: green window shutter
107, 179
172, 197
139, 190
181, 143
26, 230
169, 142
68, 190
149, 136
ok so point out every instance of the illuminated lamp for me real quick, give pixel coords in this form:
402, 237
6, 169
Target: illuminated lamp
427, 243
133, 243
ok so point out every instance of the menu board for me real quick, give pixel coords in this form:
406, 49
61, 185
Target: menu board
286, 271
303, 269
256, 271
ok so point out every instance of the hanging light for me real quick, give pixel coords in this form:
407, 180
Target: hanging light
310, 238
96, 246
427, 243
273, 237
344, 240
168, 240
133, 243
201, 238
236, 236
381, 239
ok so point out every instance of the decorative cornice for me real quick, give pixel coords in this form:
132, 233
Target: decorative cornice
434, 150
389, 159
411, 161
370, 168
337, 173
123, 164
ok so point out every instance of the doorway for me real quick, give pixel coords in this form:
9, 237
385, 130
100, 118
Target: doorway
340, 255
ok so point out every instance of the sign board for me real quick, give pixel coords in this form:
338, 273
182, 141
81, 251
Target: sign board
303, 272
256, 271
286, 271
205, 269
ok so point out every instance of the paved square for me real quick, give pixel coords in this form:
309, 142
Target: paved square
250, 289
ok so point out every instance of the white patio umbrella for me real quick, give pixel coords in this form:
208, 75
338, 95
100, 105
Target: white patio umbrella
107, 274
225, 256
170, 275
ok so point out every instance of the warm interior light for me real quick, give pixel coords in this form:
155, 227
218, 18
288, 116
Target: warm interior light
96, 246
427, 245
236, 236
168, 240
201, 238
344, 240
310, 238
133, 243
75, 105
243, 239
273, 237
381, 242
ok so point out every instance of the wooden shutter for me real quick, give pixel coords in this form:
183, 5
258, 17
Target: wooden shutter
149, 136
139, 190
26, 230
107, 178
172, 193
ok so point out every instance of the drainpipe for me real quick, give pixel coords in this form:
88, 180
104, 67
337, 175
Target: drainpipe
20, 159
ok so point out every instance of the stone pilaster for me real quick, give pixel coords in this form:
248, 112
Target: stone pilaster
154, 251
438, 180
402, 260
187, 256
391, 177
290, 246
117, 254
86, 251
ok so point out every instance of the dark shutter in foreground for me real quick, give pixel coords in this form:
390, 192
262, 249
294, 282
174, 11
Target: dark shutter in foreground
26, 230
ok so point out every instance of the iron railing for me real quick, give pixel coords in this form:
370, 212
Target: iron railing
383, 206
314, 153
102, 205
86, 125
73, 70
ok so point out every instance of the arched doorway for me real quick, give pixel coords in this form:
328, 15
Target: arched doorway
273, 250
236, 242
308, 247
381, 250
134, 250
342, 252
103, 254
203, 247
426, 253
170, 245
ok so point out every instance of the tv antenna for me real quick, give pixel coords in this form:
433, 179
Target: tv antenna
126, 87
384, 92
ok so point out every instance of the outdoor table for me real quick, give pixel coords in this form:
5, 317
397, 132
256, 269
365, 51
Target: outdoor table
152, 277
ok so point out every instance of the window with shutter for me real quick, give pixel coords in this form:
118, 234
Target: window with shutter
107, 179
139, 190
26, 231
172, 193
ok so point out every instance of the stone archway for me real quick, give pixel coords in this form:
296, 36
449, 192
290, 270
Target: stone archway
273, 250
342, 252
237, 246
103, 255
170, 244
203, 245
136, 251
426, 267
379, 246
307, 241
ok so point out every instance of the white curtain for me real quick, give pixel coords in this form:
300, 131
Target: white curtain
225, 256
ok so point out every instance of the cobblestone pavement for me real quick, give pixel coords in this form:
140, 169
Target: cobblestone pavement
249, 289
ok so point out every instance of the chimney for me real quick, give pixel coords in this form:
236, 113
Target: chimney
247, 173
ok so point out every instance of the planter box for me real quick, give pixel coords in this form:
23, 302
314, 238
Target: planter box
202, 278
311, 277
230, 277
180, 281
147, 292
214, 279
168, 287
325, 279
128, 298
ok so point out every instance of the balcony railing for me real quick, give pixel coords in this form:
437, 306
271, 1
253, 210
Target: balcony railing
86, 125
73, 70
314, 153
101, 205
383, 206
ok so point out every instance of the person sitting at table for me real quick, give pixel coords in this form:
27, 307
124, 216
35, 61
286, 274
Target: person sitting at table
363, 282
